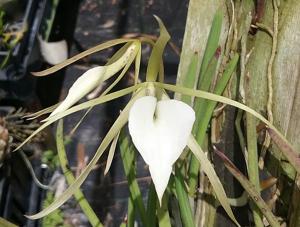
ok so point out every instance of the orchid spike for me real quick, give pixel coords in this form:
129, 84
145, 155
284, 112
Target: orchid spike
92, 78
160, 131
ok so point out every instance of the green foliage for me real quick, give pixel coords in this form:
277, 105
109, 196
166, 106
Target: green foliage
128, 156
50, 158
54, 219
9, 39
2, 13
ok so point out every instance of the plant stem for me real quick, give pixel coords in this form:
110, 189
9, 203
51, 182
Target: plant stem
253, 165
151, 205
50, 21
131, 213
85, 206
128, 158
163, 212
183, 200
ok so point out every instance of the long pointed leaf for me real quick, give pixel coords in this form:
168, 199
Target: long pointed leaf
212, 44
151, 205
183, 200
157, 52
191, 78
82, 55
128, 155
137, 65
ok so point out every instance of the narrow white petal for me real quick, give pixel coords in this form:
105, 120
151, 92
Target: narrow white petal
160, 131
82, 86
54, 52
122, 61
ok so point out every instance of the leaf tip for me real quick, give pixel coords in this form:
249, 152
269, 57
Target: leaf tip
32, 217
40, 73
162, 27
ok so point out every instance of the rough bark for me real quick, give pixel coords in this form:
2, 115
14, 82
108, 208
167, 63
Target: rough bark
285, 73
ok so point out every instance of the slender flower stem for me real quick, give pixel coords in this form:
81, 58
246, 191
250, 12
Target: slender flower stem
128, 158
183, 200
85, 206
253, 165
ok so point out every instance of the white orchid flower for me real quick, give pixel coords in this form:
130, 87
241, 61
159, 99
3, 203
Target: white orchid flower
92, 78
53, 52
82, 86
160, 131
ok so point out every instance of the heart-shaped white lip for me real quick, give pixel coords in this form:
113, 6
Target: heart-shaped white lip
160, 131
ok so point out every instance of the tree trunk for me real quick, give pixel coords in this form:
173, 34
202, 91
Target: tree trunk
256, 47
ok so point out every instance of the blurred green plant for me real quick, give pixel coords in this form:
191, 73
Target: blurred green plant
50, 158
10, 36
56, 218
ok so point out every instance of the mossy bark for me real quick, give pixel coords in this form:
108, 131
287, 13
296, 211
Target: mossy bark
285, 74
286, 99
